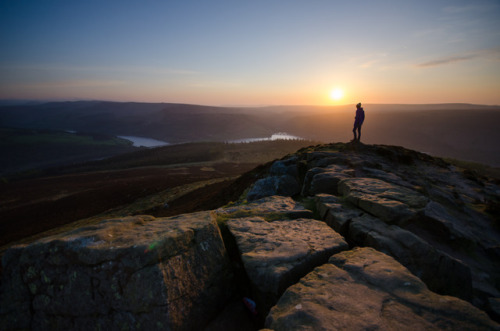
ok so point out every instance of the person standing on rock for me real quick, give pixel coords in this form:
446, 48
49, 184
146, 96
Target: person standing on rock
358, 122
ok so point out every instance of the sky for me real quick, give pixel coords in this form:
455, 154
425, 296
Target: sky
248, 53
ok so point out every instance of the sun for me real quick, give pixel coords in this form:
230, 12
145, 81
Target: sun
336, 94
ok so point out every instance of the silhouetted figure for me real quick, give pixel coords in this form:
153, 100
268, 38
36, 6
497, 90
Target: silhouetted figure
358, 122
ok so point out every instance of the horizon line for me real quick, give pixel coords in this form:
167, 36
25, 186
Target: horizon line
20, 102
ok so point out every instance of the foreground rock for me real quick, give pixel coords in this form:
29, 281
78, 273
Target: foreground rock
196, 271
438, 220
364, 289
277, 254
132, 273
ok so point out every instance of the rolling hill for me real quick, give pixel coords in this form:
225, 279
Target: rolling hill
463, 131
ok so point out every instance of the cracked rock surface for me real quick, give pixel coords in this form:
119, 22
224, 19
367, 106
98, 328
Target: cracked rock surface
363, 289
276, 254
137, 272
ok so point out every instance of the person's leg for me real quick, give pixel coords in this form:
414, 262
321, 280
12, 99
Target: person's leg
354, 131
359, 133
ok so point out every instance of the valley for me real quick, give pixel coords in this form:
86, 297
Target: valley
462, 131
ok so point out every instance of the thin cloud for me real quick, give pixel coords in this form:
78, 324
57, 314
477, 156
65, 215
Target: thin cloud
111, 69
369, 61
490, 53
368, 64
157, 70
469, 9
447, 60
71, 84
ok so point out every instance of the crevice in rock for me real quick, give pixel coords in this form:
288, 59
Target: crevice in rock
240, 315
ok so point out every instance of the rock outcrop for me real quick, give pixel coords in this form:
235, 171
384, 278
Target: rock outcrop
364, 289
389, 238
136, 273
429, 215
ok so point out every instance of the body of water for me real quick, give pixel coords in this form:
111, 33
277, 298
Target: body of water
149, 142
144, 142
276, 136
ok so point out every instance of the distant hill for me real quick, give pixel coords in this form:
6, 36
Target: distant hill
468, 134
30, 150
462, 131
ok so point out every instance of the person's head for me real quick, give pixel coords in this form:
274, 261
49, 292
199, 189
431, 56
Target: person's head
358, 105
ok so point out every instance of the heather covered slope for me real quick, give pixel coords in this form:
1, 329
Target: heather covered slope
347, 236
139, 182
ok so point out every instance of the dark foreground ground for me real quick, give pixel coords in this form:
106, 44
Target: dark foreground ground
32, 206
61, 195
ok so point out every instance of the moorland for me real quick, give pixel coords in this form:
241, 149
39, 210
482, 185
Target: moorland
63, 162
162, 181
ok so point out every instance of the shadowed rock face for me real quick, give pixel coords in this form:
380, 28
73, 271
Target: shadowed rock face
438, 270
137, 272
395, 238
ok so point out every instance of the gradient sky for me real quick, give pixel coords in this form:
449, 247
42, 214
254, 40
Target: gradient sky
254, 52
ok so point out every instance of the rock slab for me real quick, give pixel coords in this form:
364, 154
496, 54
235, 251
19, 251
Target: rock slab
389, 202
276, 254
364, 289
132, 273
269, 207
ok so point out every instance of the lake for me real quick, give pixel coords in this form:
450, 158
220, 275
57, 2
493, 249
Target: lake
144, 142
276, 136
148, 142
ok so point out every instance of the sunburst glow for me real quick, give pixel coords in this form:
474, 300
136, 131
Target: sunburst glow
336, 94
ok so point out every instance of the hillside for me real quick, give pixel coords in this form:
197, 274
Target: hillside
60, 195
463, 131
29, 151
349, 236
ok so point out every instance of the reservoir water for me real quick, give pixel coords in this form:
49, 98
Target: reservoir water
148, 142
276, 136
144, 142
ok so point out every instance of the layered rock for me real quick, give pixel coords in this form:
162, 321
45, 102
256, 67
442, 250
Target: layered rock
364, 289
132, 273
